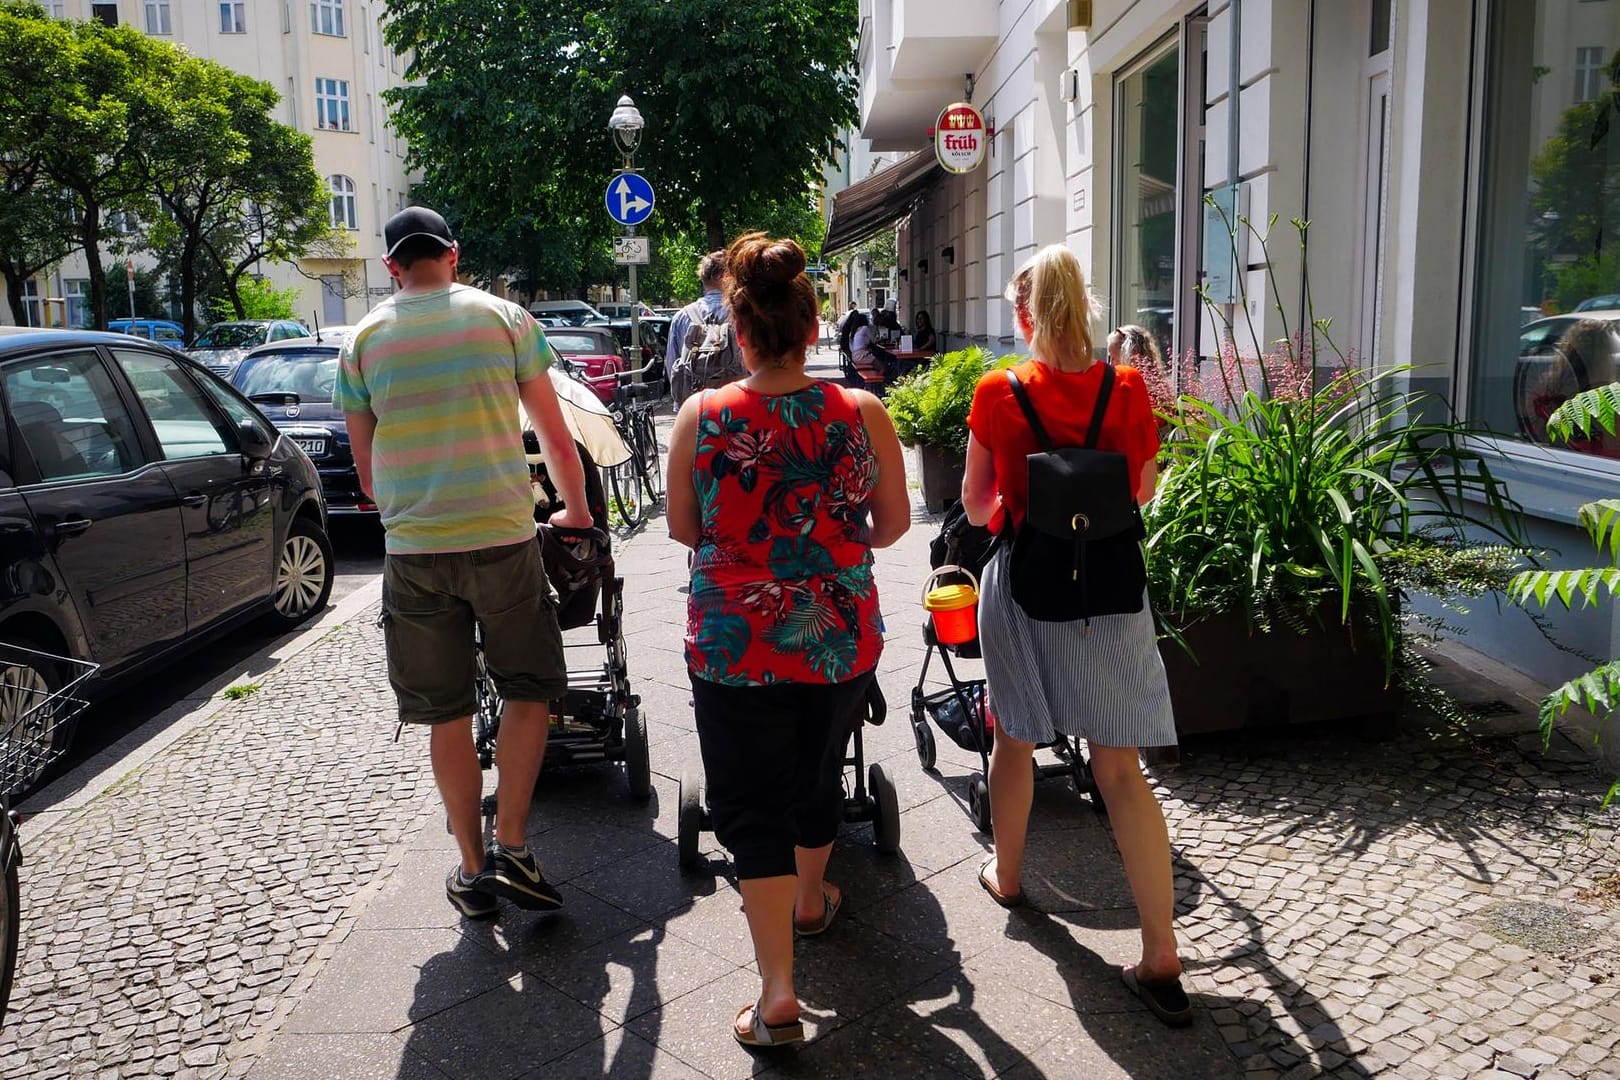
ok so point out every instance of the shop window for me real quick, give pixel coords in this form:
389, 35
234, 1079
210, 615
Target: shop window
1547, 303
1148, 101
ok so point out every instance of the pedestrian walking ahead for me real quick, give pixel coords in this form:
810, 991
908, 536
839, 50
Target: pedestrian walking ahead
703, 350
782, 485
430, 383
1099, 677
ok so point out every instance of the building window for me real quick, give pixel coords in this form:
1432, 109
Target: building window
345, 215
326, 17
233, 17
57, 8
1149, 100
77, 293
105, 14
1589, 75
1547, 284
332, 105
157, 17
31, 305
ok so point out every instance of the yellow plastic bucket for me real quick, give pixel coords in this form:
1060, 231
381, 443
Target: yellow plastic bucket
955, 608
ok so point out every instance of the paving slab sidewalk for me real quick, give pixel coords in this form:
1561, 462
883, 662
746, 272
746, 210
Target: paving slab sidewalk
265, 899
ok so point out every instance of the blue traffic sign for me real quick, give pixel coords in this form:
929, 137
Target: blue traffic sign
629, 199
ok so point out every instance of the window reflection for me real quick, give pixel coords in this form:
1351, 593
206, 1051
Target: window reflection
1548, 311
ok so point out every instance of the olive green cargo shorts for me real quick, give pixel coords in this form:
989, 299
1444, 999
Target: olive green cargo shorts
431, 604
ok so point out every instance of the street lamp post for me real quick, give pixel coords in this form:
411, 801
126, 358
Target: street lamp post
627, 126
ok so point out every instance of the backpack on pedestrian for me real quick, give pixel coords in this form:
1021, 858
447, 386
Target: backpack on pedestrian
1078, 552
710, 358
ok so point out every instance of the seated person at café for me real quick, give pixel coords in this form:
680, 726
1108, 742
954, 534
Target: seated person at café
866, 355
923, 338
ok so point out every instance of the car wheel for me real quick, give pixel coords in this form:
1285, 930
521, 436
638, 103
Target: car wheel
29, 738
303, 574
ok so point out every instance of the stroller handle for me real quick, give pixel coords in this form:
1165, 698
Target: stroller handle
928, 582
566, 533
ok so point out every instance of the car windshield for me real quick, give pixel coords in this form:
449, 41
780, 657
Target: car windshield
231, 336
311, 374
577, 343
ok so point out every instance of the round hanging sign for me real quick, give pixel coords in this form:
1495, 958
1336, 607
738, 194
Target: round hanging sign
960, 137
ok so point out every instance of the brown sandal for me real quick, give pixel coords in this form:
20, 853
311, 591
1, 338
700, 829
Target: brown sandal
1006, 900
762, 1034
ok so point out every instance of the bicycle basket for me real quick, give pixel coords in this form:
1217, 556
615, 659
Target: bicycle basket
36, 722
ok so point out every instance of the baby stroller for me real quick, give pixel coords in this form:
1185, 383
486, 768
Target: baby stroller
869, 794
962, 710
599, 719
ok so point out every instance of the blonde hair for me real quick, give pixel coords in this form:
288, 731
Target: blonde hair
1050, 291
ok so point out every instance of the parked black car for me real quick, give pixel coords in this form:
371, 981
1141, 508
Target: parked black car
291, 382
145, 506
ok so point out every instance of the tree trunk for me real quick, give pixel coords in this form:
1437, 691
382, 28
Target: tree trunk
14, 297
717, 230
188, 287
90, 240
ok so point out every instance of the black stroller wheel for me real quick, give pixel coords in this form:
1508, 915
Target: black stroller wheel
689, 823
979, 804
924, 737
886, 806
637, 765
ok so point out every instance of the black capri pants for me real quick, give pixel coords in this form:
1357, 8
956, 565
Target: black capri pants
773, 758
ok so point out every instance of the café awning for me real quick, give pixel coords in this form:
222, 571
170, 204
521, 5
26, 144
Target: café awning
878, 202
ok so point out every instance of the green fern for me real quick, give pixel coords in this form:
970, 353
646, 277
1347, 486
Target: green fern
1585, 413
1564, 585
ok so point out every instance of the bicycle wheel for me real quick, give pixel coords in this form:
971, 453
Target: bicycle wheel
629, 494
647, 435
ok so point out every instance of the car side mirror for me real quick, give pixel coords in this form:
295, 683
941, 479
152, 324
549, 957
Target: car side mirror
252, 440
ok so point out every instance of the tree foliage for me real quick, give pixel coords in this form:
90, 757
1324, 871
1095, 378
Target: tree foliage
508, 119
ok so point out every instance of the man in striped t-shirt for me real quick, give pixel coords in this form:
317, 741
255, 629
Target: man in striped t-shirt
430, 383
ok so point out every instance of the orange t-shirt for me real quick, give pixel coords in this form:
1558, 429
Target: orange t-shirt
1064, 401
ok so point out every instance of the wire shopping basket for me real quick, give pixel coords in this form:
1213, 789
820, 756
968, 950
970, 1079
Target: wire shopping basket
36, 722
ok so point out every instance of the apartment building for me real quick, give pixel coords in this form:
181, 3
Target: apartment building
332, 67
1458, 162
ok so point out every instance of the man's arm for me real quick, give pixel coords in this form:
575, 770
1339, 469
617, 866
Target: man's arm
677, 340
557, 445
362, 430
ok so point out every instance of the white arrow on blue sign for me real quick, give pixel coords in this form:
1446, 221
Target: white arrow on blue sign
629, 199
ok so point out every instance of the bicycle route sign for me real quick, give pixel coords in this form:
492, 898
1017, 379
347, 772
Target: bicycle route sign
629, 199
632, 250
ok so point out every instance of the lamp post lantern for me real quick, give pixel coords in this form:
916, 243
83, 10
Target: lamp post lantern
627, 127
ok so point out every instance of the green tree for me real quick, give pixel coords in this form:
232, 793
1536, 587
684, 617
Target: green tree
256, 298
507, 116
1574, 220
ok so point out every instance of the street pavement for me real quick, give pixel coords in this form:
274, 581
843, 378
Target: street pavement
264, 899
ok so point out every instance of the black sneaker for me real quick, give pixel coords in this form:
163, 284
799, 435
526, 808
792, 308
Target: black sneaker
515, 875
464, 894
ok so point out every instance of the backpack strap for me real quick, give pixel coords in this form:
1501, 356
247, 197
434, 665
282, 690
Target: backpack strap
1028, 406
1098, 413
1101, 409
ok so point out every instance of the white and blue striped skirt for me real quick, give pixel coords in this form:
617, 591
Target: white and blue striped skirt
1106, 686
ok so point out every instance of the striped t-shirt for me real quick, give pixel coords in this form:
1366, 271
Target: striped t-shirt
440, 372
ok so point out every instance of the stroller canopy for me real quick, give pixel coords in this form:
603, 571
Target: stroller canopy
588, 421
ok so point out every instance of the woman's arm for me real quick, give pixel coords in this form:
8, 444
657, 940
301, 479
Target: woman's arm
681, 507
980, 496
890, 504
1148, 483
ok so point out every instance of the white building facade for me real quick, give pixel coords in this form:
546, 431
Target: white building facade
328, 60
1458, 162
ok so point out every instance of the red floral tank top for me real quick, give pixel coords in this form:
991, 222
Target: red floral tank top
782, 585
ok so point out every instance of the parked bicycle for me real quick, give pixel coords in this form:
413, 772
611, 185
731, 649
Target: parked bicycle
637, 485
36, 703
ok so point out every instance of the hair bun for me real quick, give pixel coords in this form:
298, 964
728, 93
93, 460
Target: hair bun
757, 262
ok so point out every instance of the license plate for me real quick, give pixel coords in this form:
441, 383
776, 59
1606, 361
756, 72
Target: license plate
312, 447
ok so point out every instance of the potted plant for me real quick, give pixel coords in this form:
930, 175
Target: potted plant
930, 409
1293, 516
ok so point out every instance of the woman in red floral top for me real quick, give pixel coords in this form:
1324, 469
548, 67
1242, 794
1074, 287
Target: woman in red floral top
793, 482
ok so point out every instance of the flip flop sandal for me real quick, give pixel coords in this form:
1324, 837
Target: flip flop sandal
830, 906
1004, 899
762, 1034
1167, 1001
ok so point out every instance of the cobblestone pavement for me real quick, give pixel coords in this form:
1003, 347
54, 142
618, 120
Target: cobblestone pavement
163, 923
265, 899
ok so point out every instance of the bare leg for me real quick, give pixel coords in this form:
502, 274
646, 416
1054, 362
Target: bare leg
1012, 790
1144, 848
810, 902
461, 786
519, 749
768, 905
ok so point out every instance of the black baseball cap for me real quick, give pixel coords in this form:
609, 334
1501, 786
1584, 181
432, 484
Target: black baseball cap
415, 221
